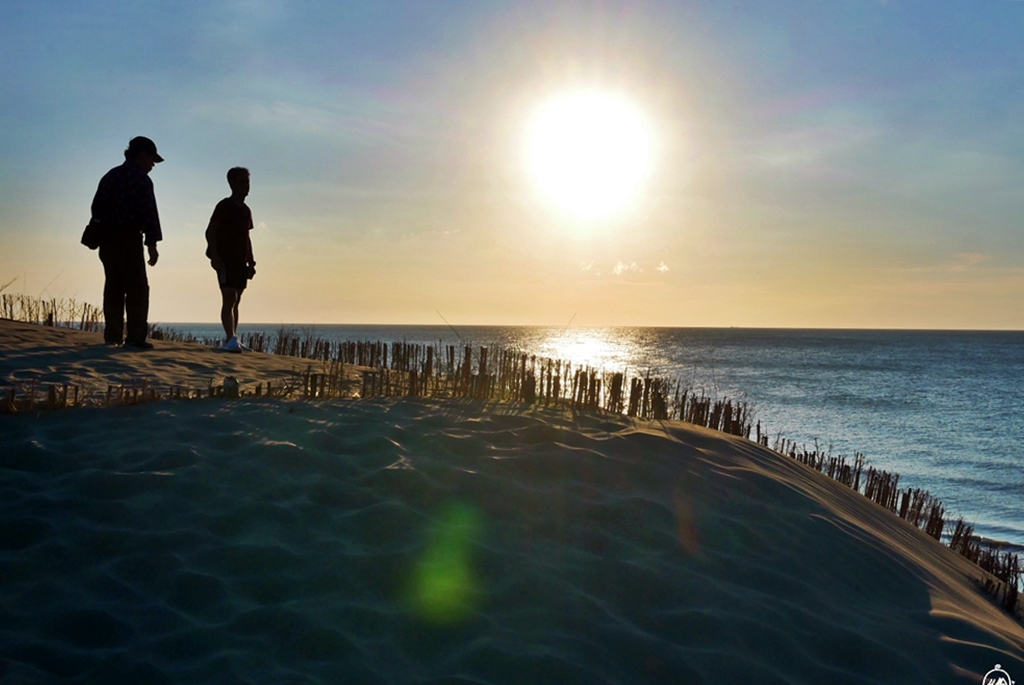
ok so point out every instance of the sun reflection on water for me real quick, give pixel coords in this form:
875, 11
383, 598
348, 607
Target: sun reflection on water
589, 347
599, 348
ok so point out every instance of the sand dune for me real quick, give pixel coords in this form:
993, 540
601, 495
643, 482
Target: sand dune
413, 541
56, 355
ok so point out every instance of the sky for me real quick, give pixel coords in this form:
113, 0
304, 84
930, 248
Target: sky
841, 164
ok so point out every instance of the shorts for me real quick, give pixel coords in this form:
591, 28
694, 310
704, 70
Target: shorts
233, 276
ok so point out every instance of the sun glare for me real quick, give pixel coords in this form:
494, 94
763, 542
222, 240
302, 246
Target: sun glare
588, 152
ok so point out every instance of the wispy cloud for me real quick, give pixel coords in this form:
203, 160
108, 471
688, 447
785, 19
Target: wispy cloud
963, 261
292, 117
958, 263
815, 147
236, 25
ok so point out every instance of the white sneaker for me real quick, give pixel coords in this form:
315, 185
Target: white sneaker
232, 345
243, 347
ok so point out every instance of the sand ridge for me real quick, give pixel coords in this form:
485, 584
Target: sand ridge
31, 353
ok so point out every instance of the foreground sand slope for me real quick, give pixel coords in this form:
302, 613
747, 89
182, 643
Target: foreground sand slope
32, 353
264, 541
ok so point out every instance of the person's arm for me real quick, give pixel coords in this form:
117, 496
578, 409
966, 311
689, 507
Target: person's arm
151, 220
211, 243
217, 219
101, 200
250, 260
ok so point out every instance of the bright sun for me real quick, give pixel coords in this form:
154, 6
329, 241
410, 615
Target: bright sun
589, 152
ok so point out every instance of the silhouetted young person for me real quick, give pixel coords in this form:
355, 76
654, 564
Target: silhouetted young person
230, 251
125, 207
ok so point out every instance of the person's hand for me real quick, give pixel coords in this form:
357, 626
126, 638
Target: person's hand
153, 255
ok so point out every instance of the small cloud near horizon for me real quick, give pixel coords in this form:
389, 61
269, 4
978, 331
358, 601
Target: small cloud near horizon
966, 260
623, 267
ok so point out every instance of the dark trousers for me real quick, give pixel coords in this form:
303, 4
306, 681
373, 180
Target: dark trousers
126, 290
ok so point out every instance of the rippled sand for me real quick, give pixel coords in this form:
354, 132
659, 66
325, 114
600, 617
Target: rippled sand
426, 542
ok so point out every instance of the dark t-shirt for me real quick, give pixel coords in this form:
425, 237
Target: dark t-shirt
234, 221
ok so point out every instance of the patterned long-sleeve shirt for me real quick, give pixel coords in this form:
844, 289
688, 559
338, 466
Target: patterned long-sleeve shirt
126, 206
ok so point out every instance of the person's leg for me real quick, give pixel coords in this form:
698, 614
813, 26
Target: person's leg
113, 294
234, 312
136, 293
229, 311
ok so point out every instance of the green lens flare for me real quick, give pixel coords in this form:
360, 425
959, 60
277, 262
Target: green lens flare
444, 586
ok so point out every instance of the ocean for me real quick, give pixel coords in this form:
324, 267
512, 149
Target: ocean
940, 408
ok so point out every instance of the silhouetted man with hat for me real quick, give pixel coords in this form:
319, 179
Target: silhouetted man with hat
125, 208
